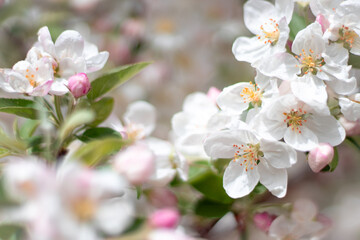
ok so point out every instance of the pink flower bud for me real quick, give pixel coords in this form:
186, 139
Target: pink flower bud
79, 85
323, 22
213, 93
263, 220
164, 218
136, 163
320, 156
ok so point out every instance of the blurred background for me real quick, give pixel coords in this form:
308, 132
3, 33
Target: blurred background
189, 43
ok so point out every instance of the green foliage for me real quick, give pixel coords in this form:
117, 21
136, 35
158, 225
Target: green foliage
94, 152
75, 120
354, 61
11, 232
296, 24
28, 128
211, 186
102, 109
210, 209
333, 164
115, 78
98, 133
20, 107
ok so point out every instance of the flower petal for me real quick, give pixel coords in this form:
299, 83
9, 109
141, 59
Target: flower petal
304, 141
278, 154
70, 44
141, 113
238, 182
274, 179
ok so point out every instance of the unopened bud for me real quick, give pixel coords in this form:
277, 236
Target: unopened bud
263, 220
165, 218
323, 22
79, 85
320, 156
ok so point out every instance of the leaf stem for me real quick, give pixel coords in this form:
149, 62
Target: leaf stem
57, 100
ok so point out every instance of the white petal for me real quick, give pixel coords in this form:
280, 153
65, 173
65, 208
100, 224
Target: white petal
70, 44
256, 13
19, 83
309, 38
71, 66
281, 227
230, 98
310, 90
250, 49
238, 182
142, 113
191, 145
96, 62
275, 180
344, 85
327, 129
45, 41
114, 216
281, 65
58, 87
350, 109
304, 210
220, 144
304, 141
285, 8
278, 154
199, 104
42, 89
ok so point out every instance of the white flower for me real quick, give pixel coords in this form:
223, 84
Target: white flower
301, 225
237, 98
91, 200
139, 121
301, 125
32, 78
350, 107
167, 162
344, 22
199, 117
72, 55
270, 25
254, 159
314, 63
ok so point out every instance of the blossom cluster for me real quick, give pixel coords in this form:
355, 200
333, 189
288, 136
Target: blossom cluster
261, 125
75, 170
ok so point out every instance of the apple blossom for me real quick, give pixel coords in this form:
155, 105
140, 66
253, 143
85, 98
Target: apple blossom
270, 25
165, 218
301, 125
254, 159
350, 107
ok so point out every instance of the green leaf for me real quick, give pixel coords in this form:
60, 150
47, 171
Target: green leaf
296, 24
118, 76
95, 151
4, 152
28, 128
20, 107
210, 209
211, 186
354, 60
75, 120
102, 109
333, 164
98, 133
14, 145
353, 142
11, 232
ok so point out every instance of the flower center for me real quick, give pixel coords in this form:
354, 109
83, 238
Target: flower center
309, 62
135, 131
252, 95
30, 76
248, 155
270, 32
295, 119
83, 208
347, 37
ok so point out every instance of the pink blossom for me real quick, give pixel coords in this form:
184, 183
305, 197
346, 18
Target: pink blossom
79, 85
